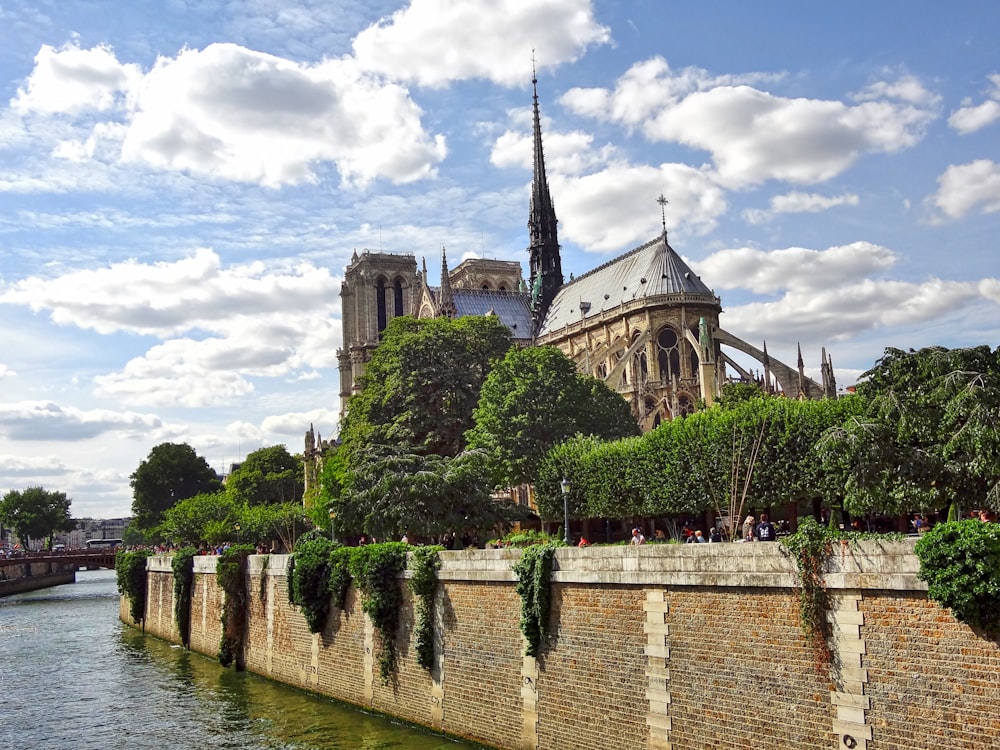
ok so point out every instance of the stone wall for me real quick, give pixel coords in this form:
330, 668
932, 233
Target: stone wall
660, 646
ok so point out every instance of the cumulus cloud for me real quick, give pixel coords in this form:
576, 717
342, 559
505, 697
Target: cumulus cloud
70, 80
31, 466
45, 420
795, 268
832, 295
964, 188
754, 136
486, 39
972, 117
231, 113
797, 202
247, 317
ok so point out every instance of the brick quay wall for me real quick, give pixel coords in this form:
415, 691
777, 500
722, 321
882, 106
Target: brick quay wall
660, 646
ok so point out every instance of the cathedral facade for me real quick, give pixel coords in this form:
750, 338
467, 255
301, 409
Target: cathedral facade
643, 322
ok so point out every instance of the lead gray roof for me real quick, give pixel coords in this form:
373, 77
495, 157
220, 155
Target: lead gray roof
650, 270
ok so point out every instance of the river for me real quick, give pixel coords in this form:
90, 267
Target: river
72, 676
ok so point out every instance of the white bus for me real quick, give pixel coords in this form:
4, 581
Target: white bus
103, 543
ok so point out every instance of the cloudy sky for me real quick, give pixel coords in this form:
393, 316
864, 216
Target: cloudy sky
183, 182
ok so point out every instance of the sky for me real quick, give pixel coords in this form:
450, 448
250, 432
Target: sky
182, 183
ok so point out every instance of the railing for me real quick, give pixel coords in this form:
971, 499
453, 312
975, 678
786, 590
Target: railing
104, 558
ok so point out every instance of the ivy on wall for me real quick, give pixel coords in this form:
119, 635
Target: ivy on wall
809, 546
130, 570
960, 561
182, 565
309, 581
230, 573
534, 572
425, 563
375, 569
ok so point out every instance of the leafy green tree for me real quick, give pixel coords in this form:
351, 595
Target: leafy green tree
195, 520
535, 399
929, 436
422, 384
172, 472
283, 523
393, 491
267, 476
35, 513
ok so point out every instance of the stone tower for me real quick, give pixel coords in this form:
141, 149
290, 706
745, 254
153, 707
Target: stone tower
377, 287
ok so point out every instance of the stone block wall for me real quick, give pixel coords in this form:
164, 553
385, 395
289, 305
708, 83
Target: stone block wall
661, 646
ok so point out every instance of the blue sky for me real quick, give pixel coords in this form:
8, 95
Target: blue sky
183, 183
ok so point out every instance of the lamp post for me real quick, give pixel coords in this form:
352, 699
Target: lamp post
564, 485
333, 531
237, 527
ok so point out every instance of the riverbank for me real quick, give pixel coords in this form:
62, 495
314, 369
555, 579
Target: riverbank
656, 646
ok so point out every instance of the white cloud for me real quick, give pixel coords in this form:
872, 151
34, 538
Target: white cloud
797, 202
490, 39
796, 268
231, 113
71, 80
603, 210
753, 135
965, 187
972, 117
6, 372
45, 420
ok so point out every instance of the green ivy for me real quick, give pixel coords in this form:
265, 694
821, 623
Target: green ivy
265, 563
810, 545
423, 583
534, 572
183, 567
960, 561
130, 569
340, 575
310, 581
376, 568
230, 573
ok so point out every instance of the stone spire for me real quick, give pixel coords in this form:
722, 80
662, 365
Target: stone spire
446, 299
767, 371
829, 379
546, 266
802, 375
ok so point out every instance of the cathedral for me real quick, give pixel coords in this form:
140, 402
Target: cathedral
644, 322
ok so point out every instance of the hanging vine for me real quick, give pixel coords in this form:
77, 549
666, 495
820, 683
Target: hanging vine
183, 567
230, 573
309, 581
534, 572
809, 546
376, 569
130, 570
425, 563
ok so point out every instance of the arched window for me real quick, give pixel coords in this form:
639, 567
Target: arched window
668, 355
686, 406
397, 298
380, 311
602, 371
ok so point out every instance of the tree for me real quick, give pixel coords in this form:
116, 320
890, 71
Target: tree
267, 476
422, 384
36, 513
392, 491
196, 520
929, 436
172, 472
535, 399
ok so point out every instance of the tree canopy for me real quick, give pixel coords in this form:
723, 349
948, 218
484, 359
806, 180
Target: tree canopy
531, 401
422, 384
930, 434
172, 472
267, 476
36, 513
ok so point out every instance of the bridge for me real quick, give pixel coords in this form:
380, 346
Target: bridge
82, 558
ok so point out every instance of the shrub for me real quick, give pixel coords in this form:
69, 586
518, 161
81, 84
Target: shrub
534, 571
423, 583
310, 581
183, 567
130, 569
376, 568
230, 573
960, 561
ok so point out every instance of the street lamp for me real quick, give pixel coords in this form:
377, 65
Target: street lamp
564, 485
237, 527
333, 531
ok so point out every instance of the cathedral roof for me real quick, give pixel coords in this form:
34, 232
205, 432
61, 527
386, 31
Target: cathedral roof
512, 308
650, 270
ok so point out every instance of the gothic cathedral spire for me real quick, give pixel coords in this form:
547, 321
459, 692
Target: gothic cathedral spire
546, 266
